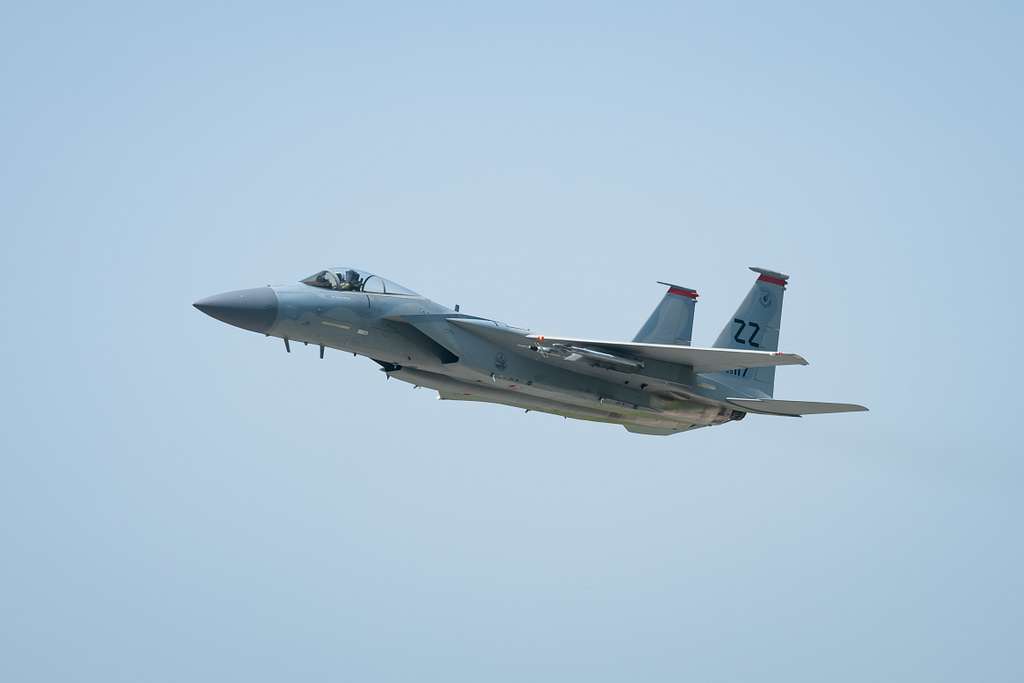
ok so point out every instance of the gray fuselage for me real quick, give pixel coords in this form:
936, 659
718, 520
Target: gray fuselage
465, 357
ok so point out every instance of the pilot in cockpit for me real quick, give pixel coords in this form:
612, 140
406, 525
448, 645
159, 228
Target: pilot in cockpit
324, 278
351, 282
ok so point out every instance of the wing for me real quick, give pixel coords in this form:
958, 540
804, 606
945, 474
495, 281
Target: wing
628, 354
700, 359
792, 408
602, 358
630, 357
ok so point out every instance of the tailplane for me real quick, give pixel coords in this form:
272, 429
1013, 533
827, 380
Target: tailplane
672, 321
755, 327
793, 408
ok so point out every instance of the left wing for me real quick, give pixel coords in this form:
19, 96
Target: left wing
628, 354
700, 359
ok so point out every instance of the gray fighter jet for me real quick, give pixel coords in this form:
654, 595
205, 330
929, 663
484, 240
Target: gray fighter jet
656, 384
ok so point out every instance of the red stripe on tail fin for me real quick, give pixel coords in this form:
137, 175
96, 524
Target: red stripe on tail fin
679, 291
774, 280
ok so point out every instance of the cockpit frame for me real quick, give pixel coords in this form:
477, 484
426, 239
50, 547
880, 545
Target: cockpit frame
345, 279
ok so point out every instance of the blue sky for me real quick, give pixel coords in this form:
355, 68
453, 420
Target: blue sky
183, 500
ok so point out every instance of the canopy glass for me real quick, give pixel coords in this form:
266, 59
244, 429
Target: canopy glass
345, 279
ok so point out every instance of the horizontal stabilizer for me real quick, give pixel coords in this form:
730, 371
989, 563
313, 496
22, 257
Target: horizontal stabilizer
792, 408
700, 359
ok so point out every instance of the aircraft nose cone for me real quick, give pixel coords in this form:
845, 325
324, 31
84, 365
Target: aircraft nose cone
250, 309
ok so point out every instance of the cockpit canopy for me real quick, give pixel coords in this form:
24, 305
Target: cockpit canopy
344, 279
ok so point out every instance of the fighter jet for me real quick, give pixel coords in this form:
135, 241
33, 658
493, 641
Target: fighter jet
655, 384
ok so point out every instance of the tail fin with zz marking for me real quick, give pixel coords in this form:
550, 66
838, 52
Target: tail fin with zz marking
755, 327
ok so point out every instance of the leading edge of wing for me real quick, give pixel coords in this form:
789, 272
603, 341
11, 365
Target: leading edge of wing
489, 329
701, 359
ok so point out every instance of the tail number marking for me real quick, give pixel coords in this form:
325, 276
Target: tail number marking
743, 325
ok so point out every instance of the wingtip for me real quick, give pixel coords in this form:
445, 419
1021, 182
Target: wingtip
799, 360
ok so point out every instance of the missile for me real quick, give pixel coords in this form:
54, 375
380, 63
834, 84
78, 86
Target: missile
573, 353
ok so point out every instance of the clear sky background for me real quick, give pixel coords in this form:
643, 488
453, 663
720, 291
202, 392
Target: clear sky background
181, 500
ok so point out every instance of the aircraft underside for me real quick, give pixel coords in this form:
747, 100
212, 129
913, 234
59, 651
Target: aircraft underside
644, 421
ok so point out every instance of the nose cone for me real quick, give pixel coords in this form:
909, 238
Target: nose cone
250, 309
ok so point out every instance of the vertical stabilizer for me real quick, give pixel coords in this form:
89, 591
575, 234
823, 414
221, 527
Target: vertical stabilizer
755, 327
672, 321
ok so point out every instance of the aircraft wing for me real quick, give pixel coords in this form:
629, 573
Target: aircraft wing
700, 359
792, 408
